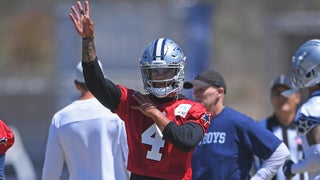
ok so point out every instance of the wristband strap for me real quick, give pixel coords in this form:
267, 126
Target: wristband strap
88, 38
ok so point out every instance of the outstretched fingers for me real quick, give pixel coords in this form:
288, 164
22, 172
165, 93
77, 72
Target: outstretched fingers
87, 9
81, 19
138, 97
80, 7
74, 16
142, 100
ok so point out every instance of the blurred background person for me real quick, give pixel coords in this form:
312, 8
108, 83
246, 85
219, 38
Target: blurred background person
232, 139
6, 141
88, 137
18, 164
281, 122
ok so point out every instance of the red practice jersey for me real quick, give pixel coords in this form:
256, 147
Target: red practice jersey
149, 154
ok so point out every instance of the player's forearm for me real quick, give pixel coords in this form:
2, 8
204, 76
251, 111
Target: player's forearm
311, 163
184, 137
88, 50
160, 119
271, 165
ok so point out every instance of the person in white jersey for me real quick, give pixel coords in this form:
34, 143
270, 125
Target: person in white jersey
305, 73
88, 137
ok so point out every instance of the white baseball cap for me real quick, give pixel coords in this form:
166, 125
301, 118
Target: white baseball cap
79, 72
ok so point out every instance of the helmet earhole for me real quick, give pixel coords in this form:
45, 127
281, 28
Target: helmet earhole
308, 75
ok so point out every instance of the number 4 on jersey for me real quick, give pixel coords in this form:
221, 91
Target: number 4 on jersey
152, 137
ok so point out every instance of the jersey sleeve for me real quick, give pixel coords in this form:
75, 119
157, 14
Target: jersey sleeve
262, 141
54, 159
6, 137
199, 115
125, 102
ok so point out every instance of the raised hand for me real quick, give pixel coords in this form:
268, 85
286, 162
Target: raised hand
81, 20
149, 109
145, 104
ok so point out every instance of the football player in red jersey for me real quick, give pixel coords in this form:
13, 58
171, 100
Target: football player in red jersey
162, 127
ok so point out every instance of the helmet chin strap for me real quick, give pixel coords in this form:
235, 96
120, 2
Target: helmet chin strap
161, 92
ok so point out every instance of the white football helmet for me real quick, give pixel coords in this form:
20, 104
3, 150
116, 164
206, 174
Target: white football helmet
305, 65
162, 67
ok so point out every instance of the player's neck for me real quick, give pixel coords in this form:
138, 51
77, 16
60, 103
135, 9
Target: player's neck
86, 95
216, 108
285, 119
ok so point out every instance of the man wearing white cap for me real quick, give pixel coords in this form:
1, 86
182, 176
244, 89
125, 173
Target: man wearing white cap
88, 137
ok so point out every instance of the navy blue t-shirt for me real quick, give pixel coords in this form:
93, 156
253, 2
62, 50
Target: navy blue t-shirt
227, 149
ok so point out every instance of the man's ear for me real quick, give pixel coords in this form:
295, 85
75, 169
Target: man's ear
221, 90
